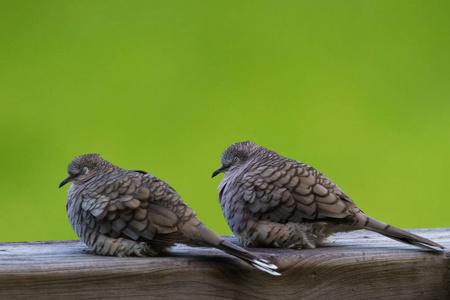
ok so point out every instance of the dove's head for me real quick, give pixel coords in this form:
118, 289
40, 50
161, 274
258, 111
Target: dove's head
83, 168
236, 155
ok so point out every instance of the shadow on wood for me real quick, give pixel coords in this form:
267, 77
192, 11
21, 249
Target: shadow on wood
358, 265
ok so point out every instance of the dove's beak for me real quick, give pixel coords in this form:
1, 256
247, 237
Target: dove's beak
218, 171
68, 179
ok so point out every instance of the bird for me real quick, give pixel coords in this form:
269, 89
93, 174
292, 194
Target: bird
269, 200
119, 212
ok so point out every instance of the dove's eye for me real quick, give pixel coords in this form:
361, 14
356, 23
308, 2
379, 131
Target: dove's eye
84, 170
235, 159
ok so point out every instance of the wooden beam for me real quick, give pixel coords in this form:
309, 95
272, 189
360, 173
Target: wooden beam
358, 265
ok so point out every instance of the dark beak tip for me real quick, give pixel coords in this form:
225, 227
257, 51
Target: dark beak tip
217, 172
64, 182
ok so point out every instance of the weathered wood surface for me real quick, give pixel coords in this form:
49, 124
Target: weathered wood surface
358, 265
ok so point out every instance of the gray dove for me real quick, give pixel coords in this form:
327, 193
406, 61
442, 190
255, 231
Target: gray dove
272, 201
122, 212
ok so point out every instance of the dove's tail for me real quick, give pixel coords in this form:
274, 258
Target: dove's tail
200, 235
243, 254
398, 234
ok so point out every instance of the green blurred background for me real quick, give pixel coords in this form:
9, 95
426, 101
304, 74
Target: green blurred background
358, 89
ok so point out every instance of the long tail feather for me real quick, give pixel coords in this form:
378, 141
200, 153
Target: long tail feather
399, 234
258, 263
203, 236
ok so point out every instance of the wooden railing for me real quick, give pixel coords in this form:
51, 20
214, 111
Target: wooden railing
358, 265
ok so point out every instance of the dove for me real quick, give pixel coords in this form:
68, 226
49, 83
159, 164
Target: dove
119, 212
273, 201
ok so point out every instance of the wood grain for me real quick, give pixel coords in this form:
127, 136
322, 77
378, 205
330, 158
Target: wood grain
358, 265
